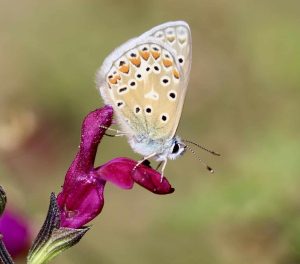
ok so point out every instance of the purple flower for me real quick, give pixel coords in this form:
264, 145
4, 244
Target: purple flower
81, 198
16, 233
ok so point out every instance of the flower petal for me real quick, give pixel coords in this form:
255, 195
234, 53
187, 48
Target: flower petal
81, 198
81, 202
151, 180
92, 131
122, 172
16, 233
117, 171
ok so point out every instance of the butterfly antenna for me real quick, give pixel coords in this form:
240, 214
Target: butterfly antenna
198, 158
199, 146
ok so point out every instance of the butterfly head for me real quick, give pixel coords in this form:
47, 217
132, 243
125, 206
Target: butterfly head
177, 149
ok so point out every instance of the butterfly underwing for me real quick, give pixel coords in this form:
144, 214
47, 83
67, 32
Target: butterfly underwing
145, 81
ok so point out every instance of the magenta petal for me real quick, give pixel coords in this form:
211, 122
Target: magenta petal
81, 202
151, 180
16, 233
121, 172
81, 198
92, 132
118, 171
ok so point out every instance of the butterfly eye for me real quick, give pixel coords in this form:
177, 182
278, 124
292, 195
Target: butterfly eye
175, 148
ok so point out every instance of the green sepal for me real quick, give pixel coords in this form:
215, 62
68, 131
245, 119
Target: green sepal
3, 200
53, 239
4, 255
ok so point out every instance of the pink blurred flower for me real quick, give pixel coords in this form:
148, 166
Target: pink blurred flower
16, 233
81, 198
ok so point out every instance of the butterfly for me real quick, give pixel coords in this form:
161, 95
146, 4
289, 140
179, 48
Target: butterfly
145, 81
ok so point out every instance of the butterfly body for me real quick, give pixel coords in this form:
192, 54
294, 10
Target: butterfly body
145, 81
163, 149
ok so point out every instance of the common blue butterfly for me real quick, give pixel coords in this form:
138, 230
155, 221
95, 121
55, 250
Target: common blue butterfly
145, 81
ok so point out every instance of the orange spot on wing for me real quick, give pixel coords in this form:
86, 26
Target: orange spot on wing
124, 68
167, 63
145, 54
114, 79
136, 61
155, 54
176, 74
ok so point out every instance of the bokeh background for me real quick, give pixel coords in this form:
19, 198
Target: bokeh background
243, 101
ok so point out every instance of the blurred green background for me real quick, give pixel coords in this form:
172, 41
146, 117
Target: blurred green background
243, 101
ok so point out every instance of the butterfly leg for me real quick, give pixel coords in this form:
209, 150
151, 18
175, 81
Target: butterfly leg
118, 132
145, 158
158, 166
162, 169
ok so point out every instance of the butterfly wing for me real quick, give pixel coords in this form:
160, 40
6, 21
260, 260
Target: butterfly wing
145, 82
176, 34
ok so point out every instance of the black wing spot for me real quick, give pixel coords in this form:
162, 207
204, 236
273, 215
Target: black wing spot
121, 63
119, 104
123, 89
137, 110
164, 118
172, 95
